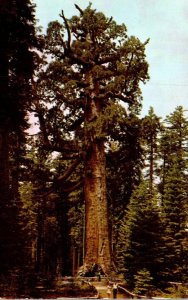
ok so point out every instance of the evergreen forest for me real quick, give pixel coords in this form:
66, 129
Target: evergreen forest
97, 188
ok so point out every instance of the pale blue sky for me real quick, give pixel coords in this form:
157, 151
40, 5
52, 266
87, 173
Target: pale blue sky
165, 22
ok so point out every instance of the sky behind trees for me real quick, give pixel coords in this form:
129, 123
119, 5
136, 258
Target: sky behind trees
164, 22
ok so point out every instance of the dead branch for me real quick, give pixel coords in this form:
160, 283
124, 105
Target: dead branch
68, 31
80, 10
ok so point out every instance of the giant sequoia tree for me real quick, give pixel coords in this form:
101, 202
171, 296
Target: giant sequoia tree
93, 67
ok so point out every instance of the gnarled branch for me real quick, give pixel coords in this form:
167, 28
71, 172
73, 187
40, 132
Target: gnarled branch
68, 31
67, 173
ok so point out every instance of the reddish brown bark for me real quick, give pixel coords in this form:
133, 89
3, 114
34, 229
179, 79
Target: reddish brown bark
96, 211
97, 244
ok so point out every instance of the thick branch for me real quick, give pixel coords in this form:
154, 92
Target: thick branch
63, 146
74, 187
114, 96
68, 50
68, 172
62, 179
122, 97
59, 146
68, 31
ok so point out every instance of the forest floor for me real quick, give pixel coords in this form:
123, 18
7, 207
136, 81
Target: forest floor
101, 287
65, 288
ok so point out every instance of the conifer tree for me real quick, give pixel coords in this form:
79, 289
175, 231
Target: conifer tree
175, 219
124, 167
150, 137
173, 189
173, 143
143, 283
140, 244
17, 34
94, 65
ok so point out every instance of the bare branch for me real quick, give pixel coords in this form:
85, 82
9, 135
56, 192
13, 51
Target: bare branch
80, 10
67, 49
68, 31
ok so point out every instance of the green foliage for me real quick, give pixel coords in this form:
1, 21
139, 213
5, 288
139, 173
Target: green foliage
173, 142
151, 128
178, 290
97, 59
29, 210
175, 217
124, 158
174, 194
170, 256
140, 242
143, 283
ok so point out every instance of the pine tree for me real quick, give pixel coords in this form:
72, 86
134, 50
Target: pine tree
173, 189
173, 143
175, 219
140, 244
150, 135
143, 283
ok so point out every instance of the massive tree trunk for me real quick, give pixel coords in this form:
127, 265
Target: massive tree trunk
97, 244
96, 211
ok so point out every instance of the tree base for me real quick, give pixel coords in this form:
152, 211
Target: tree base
90, 271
